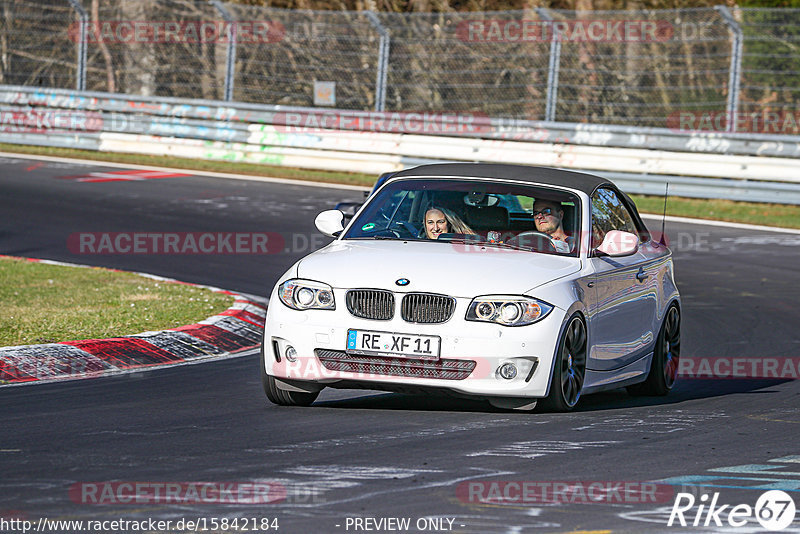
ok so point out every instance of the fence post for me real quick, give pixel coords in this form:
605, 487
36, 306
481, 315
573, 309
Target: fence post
734, 78
80, 83
230, 59
383, 61
552, 69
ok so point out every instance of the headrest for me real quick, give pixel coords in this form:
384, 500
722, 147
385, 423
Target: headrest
487, 217
569, 218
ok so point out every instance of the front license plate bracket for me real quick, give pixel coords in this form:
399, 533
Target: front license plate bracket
394, 344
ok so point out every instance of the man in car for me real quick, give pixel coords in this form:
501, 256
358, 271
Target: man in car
549, 218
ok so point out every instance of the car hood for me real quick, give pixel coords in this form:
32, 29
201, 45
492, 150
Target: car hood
450, 269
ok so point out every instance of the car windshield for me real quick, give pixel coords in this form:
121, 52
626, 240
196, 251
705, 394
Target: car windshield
496, 214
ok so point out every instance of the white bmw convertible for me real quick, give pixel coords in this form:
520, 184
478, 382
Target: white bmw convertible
507, 283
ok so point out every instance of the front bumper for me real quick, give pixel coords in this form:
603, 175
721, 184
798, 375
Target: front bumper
471, 352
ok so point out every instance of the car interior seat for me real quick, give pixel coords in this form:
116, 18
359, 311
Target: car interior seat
484, 218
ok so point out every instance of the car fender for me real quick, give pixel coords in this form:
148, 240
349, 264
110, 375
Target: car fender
566, 292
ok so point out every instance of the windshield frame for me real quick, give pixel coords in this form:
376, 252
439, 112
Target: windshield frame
574, 196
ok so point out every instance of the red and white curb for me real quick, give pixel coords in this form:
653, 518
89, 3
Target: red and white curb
235, 330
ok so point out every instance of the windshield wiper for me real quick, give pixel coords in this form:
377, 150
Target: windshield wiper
481, 243
380, 237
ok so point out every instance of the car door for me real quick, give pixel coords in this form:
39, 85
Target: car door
622, 312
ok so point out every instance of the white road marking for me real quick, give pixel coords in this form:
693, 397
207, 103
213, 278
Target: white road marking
725, 224
651, 424
379, 438
535, 449
778, 240
753, 469
354, 472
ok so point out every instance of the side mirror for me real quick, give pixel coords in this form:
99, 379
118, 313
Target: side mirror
618, 243
330, 222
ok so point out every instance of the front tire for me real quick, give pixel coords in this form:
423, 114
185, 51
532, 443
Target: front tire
569, 368
513, 403
280, 396
666, 355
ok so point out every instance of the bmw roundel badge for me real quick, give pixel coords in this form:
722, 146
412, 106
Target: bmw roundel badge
402, 281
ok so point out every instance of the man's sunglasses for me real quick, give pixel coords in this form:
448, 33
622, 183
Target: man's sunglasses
546, 211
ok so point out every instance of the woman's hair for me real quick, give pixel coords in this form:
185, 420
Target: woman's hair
455, 224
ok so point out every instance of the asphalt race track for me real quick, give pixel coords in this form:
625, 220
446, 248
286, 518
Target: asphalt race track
360, 454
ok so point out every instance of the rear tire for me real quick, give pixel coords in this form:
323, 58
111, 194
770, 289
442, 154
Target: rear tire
666, 355
280, 396
569, 368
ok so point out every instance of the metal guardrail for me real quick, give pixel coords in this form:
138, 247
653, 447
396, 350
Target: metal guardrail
148, 112
730, 166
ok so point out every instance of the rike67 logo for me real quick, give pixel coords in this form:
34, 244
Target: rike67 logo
774, 510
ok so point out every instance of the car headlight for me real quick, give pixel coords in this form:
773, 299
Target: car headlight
306, 295
507, 310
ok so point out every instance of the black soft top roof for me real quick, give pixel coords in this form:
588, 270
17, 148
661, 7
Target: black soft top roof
543, 175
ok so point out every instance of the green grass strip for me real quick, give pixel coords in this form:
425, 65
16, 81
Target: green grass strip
783, 215
45, 303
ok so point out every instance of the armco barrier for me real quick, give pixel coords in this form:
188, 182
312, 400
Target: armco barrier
752, 167
142, 114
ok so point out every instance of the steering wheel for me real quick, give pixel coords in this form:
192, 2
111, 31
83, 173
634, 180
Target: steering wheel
399, 230
405, 227
536, 240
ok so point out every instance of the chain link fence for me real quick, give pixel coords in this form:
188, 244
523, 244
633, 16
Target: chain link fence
436, 65
35, 48
658, 68
771, 60
682, 67
340, 47
150, 63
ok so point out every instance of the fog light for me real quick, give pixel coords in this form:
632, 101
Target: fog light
291, 355
507, 370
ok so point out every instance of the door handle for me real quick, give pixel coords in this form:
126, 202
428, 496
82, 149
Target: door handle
641, 275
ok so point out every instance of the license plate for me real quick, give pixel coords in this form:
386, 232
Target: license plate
393, 344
